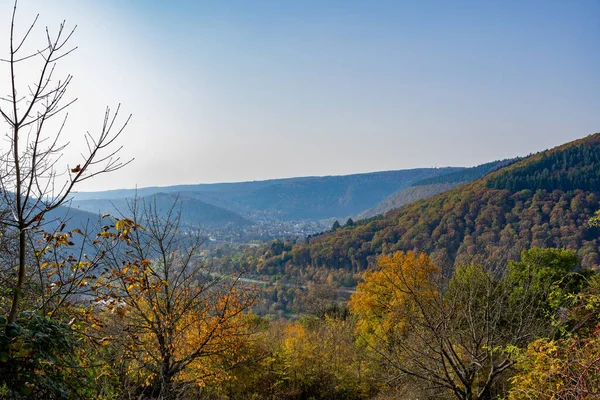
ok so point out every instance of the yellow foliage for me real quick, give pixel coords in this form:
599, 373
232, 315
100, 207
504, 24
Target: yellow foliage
193, 327
558, 369
393, 294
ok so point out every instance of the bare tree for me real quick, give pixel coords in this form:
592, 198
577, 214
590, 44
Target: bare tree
33, 180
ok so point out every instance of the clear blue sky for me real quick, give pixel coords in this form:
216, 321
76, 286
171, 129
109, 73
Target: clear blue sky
244, 90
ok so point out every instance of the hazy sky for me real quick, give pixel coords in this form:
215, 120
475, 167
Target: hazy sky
245, 90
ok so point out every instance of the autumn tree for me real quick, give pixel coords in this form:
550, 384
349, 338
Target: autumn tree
393, 302
33, 179
48, 274
182, 323
455, 334
307, 358
49, 352
323, 360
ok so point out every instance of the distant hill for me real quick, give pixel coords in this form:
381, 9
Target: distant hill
431, 186
235, 187
194, 213
54, 219
339, 196
72, 217
544, 200
306, 198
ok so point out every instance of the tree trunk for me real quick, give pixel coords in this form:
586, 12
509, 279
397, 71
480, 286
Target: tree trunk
17, 291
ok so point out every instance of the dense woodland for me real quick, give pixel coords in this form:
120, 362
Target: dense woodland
574, 167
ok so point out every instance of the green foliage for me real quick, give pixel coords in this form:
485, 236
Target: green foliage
595, 220
463, 334
548, 277
40, 358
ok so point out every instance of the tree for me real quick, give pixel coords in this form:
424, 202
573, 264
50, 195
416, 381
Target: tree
308, 358
323, 360
459, 334
595, 220
544, 280
567, 367
391, 295
335, 226
182, 322
32, 181
49, 351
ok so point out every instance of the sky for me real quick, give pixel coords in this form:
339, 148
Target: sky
223, 91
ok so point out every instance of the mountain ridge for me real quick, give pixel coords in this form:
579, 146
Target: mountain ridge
289, 199
194, 213
470, 223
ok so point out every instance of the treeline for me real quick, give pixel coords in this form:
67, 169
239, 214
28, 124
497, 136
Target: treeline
575, 167
472, 223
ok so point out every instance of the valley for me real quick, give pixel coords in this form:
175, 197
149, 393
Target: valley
312, 200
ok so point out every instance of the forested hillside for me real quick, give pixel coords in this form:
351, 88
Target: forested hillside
490, 219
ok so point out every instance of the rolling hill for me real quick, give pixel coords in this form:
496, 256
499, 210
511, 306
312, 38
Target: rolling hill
194, 213
544, 200
306, 198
